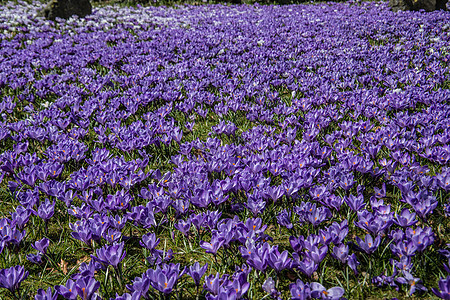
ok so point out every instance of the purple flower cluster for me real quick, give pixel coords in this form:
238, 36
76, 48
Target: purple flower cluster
253, 135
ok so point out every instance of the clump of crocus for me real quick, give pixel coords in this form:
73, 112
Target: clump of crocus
11, 279
443, 291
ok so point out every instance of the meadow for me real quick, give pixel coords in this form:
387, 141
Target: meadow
225, 152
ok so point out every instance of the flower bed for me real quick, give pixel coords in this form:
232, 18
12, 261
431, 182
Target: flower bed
225, 152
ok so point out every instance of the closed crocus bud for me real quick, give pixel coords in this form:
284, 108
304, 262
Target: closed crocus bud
197, 272
269, 285
41, 245
35, 258
353, 263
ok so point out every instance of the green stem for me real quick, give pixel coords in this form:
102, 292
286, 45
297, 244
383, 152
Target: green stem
106, 277
119, 276
14, 295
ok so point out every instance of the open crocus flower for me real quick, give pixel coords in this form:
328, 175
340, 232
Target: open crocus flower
320, 292
414, 283
443, 291
46, 295
405, 218
369, 245
300, 290
110, 255
68, 291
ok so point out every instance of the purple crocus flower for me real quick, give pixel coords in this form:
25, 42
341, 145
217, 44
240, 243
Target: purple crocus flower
443, 291
35, 258
68, 291
269, 287
405, 247
278, 261
317, 254
46, 295
216, 242
197, 272
380, 193
296, 243
356, 203
149, 241
333, 201
127, 296
81, 231
340, 253
41, 245
183, 226
213, 282
284, 218
112, 235
163, 283
353, 263
300, 290
338, 232
425, 206
274, 192
404, 264
110, 255
405, 219
373, 223
414, 283
307, 266
256, 205
46, 210
240, 284
11, 278
140, 286
86, 287
223, 294
318, 215
369, 245
320, 292
256, 256
346, 182
164, 279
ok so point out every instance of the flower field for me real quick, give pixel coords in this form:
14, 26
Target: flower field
225, 152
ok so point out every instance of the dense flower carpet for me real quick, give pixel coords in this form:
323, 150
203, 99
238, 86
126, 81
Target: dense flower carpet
225, 152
